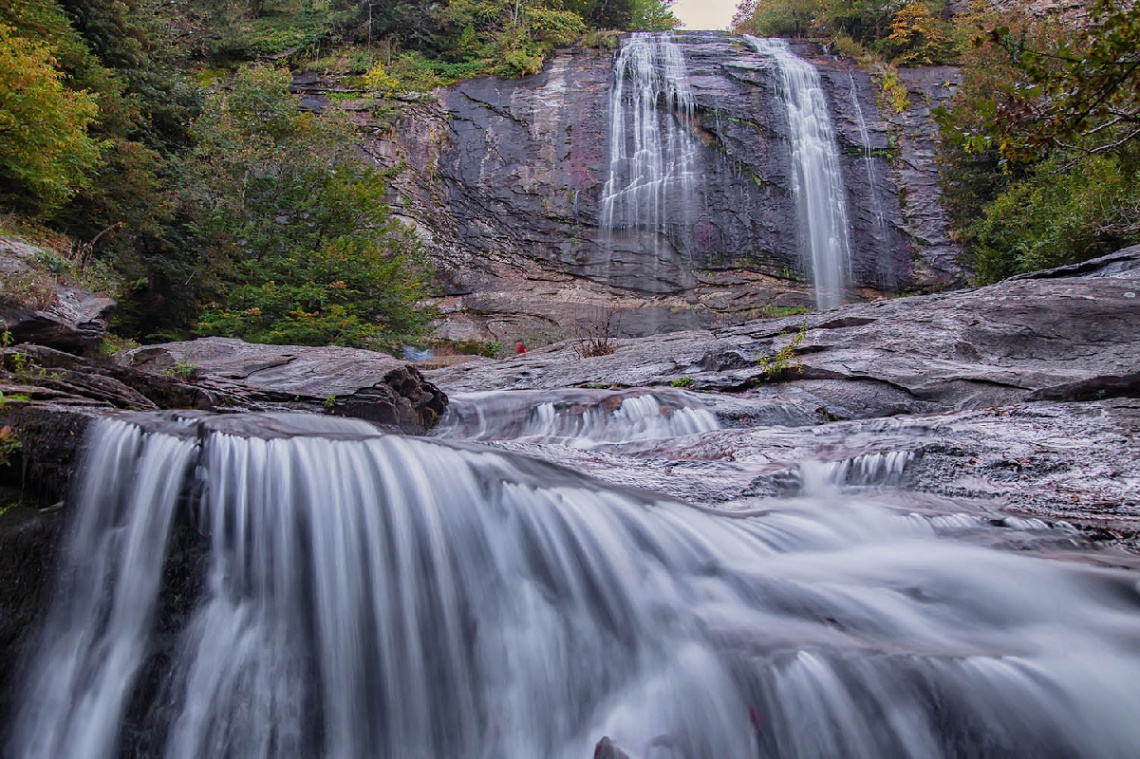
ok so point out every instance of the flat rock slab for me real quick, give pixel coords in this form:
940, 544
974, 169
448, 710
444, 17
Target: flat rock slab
1064, 334
74, 320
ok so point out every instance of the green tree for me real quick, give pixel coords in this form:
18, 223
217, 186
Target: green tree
46, 153
779, 18
1040, 151
1067, 209
299, 244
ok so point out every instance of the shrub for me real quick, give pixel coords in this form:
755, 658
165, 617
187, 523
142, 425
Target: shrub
1065, 211
595, 336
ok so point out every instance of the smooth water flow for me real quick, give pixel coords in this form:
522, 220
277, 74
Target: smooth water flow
652, 155
579, 418
362, 595
817, 181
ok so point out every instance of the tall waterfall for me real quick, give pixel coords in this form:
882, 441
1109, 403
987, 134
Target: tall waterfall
652, 155
817, 181
369, 595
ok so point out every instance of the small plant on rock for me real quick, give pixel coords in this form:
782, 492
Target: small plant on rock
596, 336
785, 360
9, 444
183, 370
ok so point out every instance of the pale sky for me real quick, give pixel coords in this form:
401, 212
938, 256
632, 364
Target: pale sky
705, 14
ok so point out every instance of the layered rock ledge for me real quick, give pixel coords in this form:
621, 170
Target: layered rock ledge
1024, 396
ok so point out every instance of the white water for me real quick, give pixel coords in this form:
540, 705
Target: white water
579, 418
652, 155
375, 596
817, 181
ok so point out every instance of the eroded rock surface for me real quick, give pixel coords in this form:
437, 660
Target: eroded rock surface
1021, 398
1064, 334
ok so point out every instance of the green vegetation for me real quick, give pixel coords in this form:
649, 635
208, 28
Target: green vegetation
160, 141
779, 312
784, 361
10, 445
302, 248
183, 370
1041, 145
46, 154
903, 32
681, 382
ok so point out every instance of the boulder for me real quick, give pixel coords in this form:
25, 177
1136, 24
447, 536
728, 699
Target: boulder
53, 314
347, 381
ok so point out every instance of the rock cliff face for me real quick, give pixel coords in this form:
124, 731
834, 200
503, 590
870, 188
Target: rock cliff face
505, 180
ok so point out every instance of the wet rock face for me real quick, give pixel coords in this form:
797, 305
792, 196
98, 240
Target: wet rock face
916, 134
1063, 334
505, 180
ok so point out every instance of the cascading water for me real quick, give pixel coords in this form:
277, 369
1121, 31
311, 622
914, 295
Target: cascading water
581, 418
368, 595
817, 181
652, 155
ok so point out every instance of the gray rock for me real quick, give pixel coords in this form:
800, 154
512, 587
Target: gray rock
503, 180
914, 169
1063, 334
72, 319
347, 381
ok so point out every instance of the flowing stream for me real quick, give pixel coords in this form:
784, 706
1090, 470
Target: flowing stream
817, 180
348, 593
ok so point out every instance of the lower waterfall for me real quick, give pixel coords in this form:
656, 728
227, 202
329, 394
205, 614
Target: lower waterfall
370, 595
817, 180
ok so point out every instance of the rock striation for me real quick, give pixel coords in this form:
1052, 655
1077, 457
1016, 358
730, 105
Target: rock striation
1024, 395
504, 180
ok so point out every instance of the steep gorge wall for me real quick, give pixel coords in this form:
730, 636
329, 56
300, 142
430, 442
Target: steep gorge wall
504, 178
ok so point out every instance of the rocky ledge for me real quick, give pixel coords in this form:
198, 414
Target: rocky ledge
1020, 397
36, 308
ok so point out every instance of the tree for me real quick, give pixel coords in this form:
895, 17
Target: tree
780, 18
1077, 90
1040, 149
299, 244
46, 154
918, 37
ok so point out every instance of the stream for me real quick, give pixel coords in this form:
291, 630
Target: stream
469, 594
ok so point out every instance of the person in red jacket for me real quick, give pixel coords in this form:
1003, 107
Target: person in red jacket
520, 348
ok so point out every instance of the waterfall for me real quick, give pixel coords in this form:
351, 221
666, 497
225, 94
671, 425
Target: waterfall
371, 595
580, 418
880, 221
817, 182
652, 155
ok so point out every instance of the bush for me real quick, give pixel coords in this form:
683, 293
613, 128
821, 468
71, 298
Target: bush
1066, 211
301, 247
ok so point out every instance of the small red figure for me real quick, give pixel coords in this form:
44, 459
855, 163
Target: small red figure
520, 348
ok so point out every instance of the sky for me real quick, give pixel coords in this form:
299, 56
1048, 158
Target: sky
705, 14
